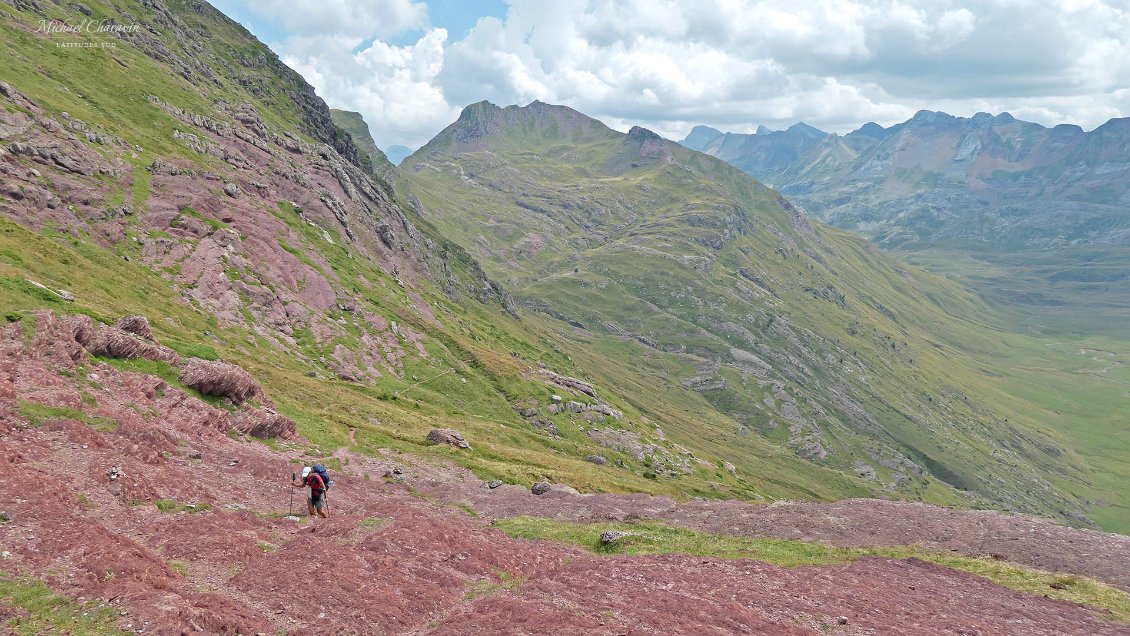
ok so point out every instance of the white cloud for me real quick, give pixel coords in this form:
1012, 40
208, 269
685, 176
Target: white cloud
670, 64
351, 18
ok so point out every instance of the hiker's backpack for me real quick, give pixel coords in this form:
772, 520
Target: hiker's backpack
324, 474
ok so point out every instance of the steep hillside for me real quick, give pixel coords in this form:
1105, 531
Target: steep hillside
358, 130
801, 334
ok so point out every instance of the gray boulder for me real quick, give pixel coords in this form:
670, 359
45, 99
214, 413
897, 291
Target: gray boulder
448, 436
610, 538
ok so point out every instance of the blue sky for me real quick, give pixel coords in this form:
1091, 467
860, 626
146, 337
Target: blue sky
410, 66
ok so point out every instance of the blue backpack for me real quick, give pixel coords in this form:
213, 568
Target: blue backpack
321, 471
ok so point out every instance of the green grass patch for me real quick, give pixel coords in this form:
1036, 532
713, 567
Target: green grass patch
650, 538
50, 613
41, 414
174, 506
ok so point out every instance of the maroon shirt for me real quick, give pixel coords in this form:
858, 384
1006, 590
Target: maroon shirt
314, 481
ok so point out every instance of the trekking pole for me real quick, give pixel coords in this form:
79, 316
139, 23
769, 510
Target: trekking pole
290, 509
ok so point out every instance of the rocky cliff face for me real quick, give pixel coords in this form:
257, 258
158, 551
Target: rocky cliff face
353, 124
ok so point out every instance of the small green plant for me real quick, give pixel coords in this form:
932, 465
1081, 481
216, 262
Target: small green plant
180, 566
41, 414
266, 548
173, 506
50, 613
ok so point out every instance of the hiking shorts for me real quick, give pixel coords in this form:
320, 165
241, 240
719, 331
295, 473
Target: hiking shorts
317, 501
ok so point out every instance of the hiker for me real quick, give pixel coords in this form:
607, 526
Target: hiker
316, 501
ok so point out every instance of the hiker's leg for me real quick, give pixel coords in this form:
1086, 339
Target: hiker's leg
309, 506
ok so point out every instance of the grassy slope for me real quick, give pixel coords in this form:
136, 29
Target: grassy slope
620, 248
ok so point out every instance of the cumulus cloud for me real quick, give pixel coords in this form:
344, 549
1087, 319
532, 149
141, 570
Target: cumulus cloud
670, 64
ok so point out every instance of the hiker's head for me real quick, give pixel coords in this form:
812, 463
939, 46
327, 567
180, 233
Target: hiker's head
305, 472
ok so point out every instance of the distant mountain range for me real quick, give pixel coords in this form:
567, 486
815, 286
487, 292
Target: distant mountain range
936, 178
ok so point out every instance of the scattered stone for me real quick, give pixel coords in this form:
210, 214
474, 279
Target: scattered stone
115, 473
398, 471
492, 484
575, 407
232, 190
556, 399
292, 518
609, 538
5, 555
569, 383
235, 506
546, 425
4, 517
543, 487
195, 454
842, 620
596, 459
448, 436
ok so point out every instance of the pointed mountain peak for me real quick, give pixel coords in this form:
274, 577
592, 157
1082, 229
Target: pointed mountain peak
801, 128
763, 130
700, 137
639, 135
870, 129
477, 120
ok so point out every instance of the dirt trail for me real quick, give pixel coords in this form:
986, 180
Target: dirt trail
393, 562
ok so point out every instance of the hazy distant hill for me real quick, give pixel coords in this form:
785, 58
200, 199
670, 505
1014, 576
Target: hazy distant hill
397, 153
937, 177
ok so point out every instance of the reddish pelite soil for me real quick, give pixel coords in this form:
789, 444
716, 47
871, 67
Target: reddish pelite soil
389, 562
1031, 541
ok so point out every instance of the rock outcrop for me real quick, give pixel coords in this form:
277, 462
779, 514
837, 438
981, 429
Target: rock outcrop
448, 436
221, 379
